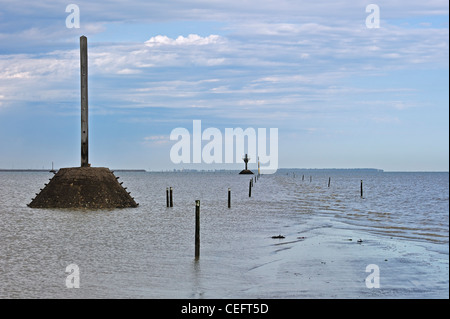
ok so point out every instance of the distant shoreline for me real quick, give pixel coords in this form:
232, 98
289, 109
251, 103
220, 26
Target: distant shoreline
48, 170
280, 170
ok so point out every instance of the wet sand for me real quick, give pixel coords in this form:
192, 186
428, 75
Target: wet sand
327, 259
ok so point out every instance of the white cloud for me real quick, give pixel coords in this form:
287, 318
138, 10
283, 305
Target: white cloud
191, 39
274, 62
128, 71
156, 140
258, 62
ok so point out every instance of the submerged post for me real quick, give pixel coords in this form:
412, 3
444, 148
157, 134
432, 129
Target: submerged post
250, 188
84, 102
229, 197
197, 229
361, 189
171, 199
329, 181
167, 196
259, 169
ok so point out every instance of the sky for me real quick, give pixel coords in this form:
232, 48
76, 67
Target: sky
340, 92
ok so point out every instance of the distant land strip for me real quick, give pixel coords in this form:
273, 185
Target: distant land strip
48, 169
280, 170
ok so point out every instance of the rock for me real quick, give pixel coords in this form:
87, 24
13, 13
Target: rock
83, 187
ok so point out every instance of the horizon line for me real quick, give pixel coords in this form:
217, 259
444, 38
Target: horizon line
175, 170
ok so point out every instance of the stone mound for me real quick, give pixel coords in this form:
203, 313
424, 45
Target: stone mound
83, 187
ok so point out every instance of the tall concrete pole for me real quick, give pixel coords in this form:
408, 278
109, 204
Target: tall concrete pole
84, 102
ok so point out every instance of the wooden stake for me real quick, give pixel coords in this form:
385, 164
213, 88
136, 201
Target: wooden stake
361, 189
167, 196
197, 229
171, 200
229, 197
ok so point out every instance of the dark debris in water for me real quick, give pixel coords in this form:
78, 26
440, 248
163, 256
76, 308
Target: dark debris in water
358, 241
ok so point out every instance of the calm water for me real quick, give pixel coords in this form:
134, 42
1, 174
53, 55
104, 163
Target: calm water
148, 252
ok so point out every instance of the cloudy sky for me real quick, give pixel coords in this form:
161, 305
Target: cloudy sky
342, 94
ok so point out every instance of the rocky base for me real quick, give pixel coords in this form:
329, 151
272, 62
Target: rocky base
83, 187
246, 171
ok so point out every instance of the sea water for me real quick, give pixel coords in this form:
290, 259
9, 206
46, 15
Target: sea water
390, 243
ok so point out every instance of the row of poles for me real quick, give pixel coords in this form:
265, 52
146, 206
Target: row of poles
169, 193
169, 196
169, 201
329, 183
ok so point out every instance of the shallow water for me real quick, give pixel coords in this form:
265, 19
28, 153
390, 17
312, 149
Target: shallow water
148, 252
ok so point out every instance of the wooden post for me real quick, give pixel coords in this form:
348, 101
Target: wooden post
229, 197
167, 196
250, 188
197, 229
310, 179
361, 188
259, 169
303, 177
171, 200
84, 102
329, 181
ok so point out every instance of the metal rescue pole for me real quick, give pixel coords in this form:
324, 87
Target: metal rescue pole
84, 102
